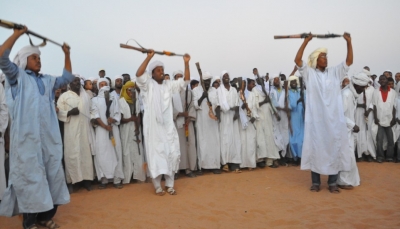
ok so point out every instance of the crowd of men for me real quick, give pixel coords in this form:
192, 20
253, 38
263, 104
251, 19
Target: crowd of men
160, 126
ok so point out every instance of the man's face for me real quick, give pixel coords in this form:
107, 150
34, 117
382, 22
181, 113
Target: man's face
345, 82
177, 76
207, 84
118, 83
366, 68
102, 84
129, 91
322, 60
216, 85
255, 71
88, 85
33, 63
94, 87
373, 77
251, 84
397, 77
359, 89
283, 77
391, 84
386, 73
383, 81
102, 74
75, 85
225, 78
57, 93
196, 85
277, 82
293, 84
127, 78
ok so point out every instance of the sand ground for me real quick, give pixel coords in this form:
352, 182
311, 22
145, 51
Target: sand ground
263, 198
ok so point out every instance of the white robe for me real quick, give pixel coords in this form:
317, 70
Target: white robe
266, 146
208, 142
248, 136
161, 139
229, 129
132, 151
3, 127
187, 147
351, 177
78, 137
365, 142
325, 133
108, 158
281, 128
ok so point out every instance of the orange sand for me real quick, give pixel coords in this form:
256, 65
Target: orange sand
263, 198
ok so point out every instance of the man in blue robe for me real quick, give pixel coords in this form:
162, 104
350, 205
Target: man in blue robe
296, 102
37, 182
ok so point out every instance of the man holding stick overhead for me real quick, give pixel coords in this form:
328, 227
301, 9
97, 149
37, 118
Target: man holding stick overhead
325, 136
161, 137
37, 182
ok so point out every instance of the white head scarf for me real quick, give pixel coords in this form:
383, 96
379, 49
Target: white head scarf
155, 64
368, 73
361, 79
102, 80
312, 58
115, 78
176, 73
293, 77
21, 59
222, 95
207, 76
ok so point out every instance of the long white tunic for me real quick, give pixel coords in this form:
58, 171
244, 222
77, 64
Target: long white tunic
77, 138
365, 143
325, 133
132, 151
351, 177
161, 139
248, 137
188, 157
3, 127
208, 142
281, 128
229, 129
266, 146
108, 158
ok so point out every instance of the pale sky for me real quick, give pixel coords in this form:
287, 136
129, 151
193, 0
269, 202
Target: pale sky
227, 35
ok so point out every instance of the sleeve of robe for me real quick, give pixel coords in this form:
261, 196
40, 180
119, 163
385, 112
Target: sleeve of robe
176, 86
115, 112
3, 111
63, 108
252, 101
143, 81
94, 110
303, 71
340, 70
197, 93
345, 98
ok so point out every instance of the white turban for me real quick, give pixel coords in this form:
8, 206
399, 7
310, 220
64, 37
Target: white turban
368, 73
21, 59
102, 80
155, 64
214, 79
361, 79
293, 77
223, 73
115, 78
207, 76
252, 77
312, 58
176, 73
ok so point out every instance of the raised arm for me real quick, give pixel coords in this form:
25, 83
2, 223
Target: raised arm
349, 58
9, 43
299, 54
67, 63
146, 61
186, 59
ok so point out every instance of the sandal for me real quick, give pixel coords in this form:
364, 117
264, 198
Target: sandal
347, 187
160, 192
50, 224
118, 186
334, 189
237, 171
314, 188
225, 168
102, 186
171, 191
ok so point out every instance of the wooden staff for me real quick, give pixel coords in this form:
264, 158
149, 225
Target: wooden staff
304, 35
210, 111
286, 86
144, 50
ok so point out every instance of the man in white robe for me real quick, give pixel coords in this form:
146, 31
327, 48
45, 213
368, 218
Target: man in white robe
208, 142
74, 110
325, 133
3, 127
161, 137
349, 179
184, 117
108, 158
228, 101
117, 84
132, 147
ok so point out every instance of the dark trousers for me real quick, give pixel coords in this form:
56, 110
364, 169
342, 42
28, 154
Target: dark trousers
316, 179
382, 131
30, 218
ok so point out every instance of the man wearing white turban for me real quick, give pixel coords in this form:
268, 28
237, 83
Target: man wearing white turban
208, 142
351, 178
117, 84
325, 136
37, 182
160, 136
